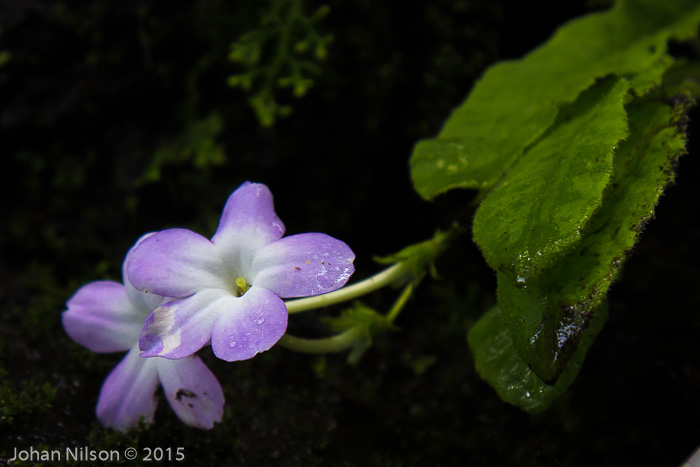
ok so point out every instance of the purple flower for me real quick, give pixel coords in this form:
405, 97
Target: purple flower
229, 290
106, 316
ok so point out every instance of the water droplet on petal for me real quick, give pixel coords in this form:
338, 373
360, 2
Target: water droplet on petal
232, 344
260, 320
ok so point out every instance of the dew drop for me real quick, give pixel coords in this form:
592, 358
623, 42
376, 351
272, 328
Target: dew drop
260, 320
232, 344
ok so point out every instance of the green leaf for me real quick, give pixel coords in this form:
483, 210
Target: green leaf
363, 318
281, 52
546, 317
548, 197
420, 257
196, 145
358, 315
499, 364
515, 102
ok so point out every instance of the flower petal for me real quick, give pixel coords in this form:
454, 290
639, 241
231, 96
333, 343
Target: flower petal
101, 317
247, 223
129, 393
176, 263
254, 323
145, 302
192, 391
181, 327
303, 265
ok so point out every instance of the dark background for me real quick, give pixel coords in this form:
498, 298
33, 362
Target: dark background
102, 107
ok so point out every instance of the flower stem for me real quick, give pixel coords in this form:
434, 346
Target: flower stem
411, 262
346, 339
350, 292
342, 341
400, 302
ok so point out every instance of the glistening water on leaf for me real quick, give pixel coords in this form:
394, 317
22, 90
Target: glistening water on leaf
538, 210
547, 316
515, 102
565, 187
498, 362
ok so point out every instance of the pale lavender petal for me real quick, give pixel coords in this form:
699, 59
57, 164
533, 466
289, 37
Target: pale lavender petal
101, 317
303, 265
192, 391
247, 223
129, 393
145, 302
176, 263
254, 324
181, 327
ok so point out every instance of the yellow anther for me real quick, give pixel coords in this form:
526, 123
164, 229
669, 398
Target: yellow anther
242, 286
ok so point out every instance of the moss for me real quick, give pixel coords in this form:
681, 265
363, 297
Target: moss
25, 400
91, 94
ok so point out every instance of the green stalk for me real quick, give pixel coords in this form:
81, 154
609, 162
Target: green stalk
342, 341
350, 292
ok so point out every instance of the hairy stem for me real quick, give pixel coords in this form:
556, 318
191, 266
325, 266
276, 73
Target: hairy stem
400, 302
342, 341
350, 292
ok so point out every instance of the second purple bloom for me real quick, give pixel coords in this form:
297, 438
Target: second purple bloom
229, 289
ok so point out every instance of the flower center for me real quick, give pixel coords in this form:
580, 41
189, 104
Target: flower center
241, 287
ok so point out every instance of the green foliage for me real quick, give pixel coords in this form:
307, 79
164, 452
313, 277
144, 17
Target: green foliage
362, 318
358, 315
546, 316
420, 257
410, 265
498, 362
23, 401
571, 148
94, 88
276, 55
196, 145
549, 195
515, 102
